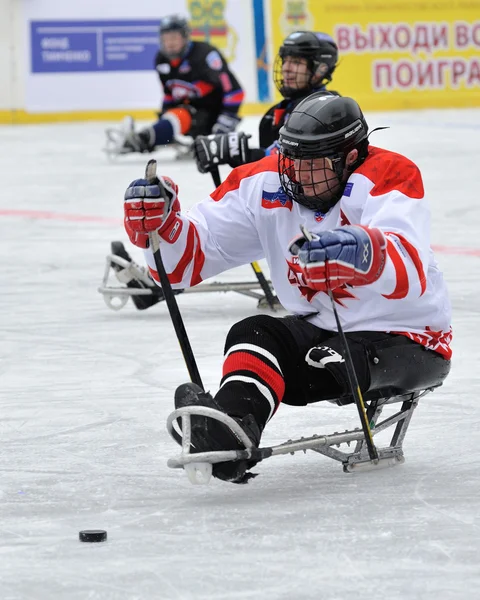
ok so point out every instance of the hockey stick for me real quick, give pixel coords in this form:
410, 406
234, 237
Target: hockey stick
255, 266
354, 386
188, 356
351, 373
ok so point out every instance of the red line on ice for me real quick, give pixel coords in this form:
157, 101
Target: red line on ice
54, 216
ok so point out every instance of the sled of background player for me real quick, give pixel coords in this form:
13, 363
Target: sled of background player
199, 466
116, 296
116, 137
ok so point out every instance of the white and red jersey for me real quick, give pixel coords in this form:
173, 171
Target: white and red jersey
249, 217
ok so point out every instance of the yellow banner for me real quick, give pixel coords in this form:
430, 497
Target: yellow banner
209, 24
395, 54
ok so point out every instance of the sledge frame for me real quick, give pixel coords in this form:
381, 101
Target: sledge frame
329, 445
116, 296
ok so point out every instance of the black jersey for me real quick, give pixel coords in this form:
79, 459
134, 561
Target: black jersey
201, 78
277, 115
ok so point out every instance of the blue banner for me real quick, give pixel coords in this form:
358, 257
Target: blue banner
263, 68
89, 46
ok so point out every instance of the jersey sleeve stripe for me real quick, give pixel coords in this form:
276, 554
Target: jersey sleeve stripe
199, 259
402, 286
203, 87
415, 257
177, 274
233, 98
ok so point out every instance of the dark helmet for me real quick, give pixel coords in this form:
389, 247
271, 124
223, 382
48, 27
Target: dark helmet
175, 23
321, 53
321, 126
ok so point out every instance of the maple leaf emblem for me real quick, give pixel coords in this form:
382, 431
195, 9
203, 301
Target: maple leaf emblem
295, 277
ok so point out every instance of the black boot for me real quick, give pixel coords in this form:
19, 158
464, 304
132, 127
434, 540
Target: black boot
210, 435
143, 141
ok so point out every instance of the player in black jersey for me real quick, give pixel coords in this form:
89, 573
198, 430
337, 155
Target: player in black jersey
201, 94
304, 64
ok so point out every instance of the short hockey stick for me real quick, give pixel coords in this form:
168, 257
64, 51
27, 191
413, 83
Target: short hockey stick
351, 373
267, 290
151, 176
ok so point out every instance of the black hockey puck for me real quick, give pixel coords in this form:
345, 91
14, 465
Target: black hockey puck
93, 535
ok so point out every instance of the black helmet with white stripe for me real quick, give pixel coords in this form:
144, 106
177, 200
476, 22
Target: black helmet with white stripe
321, 54
314, 144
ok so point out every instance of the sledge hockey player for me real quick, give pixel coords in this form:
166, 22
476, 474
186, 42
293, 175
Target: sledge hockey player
201, 94
368, 243
305, 63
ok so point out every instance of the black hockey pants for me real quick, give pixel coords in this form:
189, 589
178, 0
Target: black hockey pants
294, 362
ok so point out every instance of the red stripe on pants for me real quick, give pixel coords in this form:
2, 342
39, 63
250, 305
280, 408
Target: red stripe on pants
243, 361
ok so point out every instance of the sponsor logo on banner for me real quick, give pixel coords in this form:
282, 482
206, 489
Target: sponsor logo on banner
296, 17
208, 24
276, 199
88, 46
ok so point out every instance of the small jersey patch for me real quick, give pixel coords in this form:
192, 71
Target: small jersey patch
214, 61
276, 199
185, 67
163, 68
348, 190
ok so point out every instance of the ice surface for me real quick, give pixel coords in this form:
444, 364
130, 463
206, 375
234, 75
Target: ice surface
85, 393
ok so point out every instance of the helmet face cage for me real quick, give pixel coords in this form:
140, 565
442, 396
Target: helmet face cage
315, 182
321, 58
174, 23
315, 144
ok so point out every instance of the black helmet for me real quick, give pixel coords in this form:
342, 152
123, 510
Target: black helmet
321, 53
321, 126
175, 23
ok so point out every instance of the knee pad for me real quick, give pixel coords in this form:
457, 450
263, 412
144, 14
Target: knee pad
180, 118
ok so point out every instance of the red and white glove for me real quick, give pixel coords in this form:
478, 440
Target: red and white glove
152, 206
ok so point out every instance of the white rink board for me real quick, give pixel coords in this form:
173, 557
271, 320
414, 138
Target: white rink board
106, 90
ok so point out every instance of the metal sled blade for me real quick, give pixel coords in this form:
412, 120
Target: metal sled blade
198, 473
371, 465
198, 466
